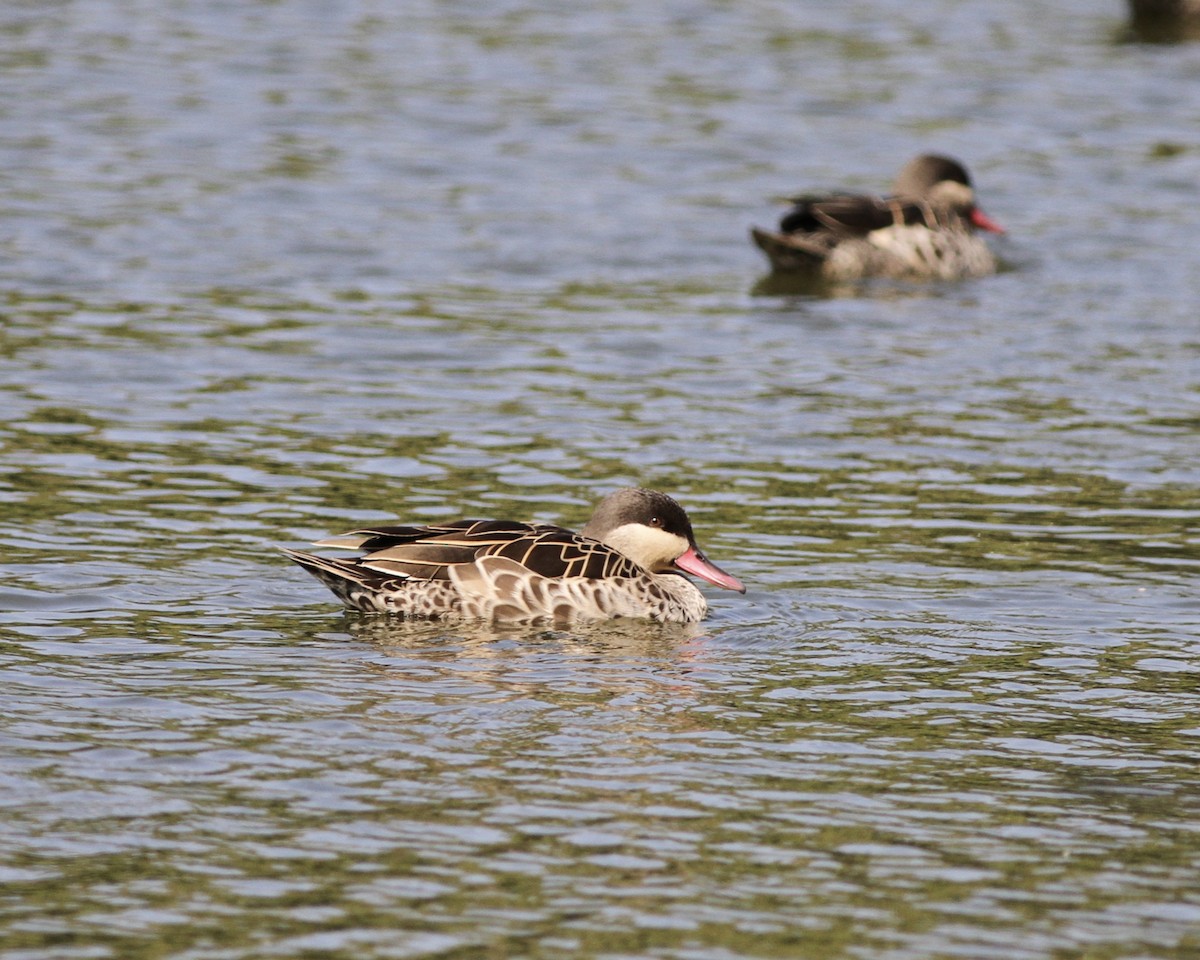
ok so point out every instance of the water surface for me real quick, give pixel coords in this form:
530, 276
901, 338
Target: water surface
271, 271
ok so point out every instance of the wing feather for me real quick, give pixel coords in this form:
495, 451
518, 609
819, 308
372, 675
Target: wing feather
853, 214
559, 553
430, 552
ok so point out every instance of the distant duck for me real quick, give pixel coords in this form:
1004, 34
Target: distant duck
628, 561
924, 230
1165, 21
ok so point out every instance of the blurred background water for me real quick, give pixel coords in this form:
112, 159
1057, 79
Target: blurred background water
273, 269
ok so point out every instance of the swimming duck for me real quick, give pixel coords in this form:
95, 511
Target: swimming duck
1164, 21
924, 229
628, 561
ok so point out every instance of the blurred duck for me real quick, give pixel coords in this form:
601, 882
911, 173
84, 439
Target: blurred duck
926, 229
1164, 21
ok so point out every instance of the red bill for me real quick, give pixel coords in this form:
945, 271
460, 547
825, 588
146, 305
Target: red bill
695, 563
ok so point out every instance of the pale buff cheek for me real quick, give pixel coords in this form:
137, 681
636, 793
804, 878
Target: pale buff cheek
951, 195
648, 547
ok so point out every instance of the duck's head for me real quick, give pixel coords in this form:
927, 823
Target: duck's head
944, 184
654, 532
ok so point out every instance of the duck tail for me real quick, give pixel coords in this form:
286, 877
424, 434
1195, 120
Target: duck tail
350, 582
788, 253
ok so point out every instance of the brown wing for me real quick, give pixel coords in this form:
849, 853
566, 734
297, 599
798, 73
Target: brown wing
427, 552
557, 553
379, 538
850, 214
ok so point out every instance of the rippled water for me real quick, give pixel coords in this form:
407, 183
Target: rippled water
272, 270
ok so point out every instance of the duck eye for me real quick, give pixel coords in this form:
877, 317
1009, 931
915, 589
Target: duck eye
656, 522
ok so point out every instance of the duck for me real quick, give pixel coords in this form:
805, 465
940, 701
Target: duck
629, 560
925, 229
1164, 21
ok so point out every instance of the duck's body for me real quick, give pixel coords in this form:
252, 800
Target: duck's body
1165, 21
925, 229
627, 562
